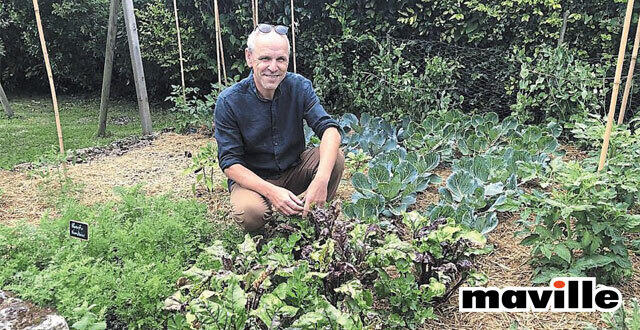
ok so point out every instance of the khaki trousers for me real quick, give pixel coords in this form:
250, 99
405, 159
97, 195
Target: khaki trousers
251, 210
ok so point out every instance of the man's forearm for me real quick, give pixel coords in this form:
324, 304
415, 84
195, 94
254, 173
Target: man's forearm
328, 152
247, 179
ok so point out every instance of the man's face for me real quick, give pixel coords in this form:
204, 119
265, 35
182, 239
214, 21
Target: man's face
269, 61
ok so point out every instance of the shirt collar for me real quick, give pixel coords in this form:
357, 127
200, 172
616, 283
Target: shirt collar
254, 89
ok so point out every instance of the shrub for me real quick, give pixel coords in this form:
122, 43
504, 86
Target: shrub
361, 74
195, 111
555, 84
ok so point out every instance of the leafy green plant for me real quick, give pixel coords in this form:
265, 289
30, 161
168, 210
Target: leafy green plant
621, 165
383, 81
373, 135
428, 267
88, 320
137, 247
355, 161
555, 83
193, 112
627, 318
433, 135
203, 165
579, 227
624, 318
470, 201
392, 182
327, 272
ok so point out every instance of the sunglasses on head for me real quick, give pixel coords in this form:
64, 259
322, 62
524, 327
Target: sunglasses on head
266, 28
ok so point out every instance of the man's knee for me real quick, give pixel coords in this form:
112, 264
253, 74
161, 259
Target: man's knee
251, 217
250, 209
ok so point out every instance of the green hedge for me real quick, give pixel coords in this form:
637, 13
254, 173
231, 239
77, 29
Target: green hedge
76, 33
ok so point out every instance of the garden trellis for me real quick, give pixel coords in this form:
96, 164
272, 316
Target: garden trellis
136, 64
616, 84
629, 81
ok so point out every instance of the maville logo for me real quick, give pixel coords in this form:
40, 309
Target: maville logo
564, 294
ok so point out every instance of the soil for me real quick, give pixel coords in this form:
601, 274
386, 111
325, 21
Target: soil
160, 164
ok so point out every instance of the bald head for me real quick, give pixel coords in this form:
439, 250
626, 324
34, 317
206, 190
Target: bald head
271, 38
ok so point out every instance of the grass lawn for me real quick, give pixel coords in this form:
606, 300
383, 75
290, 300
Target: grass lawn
31, 134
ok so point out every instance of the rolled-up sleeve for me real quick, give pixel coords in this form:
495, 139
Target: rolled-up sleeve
315, 115
227, 133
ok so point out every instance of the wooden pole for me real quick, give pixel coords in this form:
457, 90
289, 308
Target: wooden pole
108, 67
627, 86
175, 11
616, 84
136, 64
219, 36
215, 6
54, 98
5, 103
293, 37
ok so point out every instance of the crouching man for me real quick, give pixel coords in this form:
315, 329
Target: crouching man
260, 136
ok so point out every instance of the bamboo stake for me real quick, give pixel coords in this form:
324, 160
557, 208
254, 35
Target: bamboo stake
108, 67
293, 36
215, 5
51, 84
253, 13
632, 65
256, 13
175, 11
219, 36
616, 84
224, 66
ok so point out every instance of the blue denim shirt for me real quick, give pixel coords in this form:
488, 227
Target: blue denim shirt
267, 136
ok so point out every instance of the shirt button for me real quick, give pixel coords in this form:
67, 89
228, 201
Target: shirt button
276, 143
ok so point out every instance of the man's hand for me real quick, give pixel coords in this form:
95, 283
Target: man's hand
285, 201
316, 193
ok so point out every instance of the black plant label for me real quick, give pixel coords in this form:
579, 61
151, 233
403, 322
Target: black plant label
79, 229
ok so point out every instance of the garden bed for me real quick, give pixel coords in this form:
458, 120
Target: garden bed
160, 166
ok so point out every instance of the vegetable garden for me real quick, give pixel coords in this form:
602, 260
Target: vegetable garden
472, 159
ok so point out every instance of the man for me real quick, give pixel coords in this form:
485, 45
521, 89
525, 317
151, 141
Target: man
260, 135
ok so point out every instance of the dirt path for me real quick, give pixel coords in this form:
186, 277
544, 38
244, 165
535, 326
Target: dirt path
159, 167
